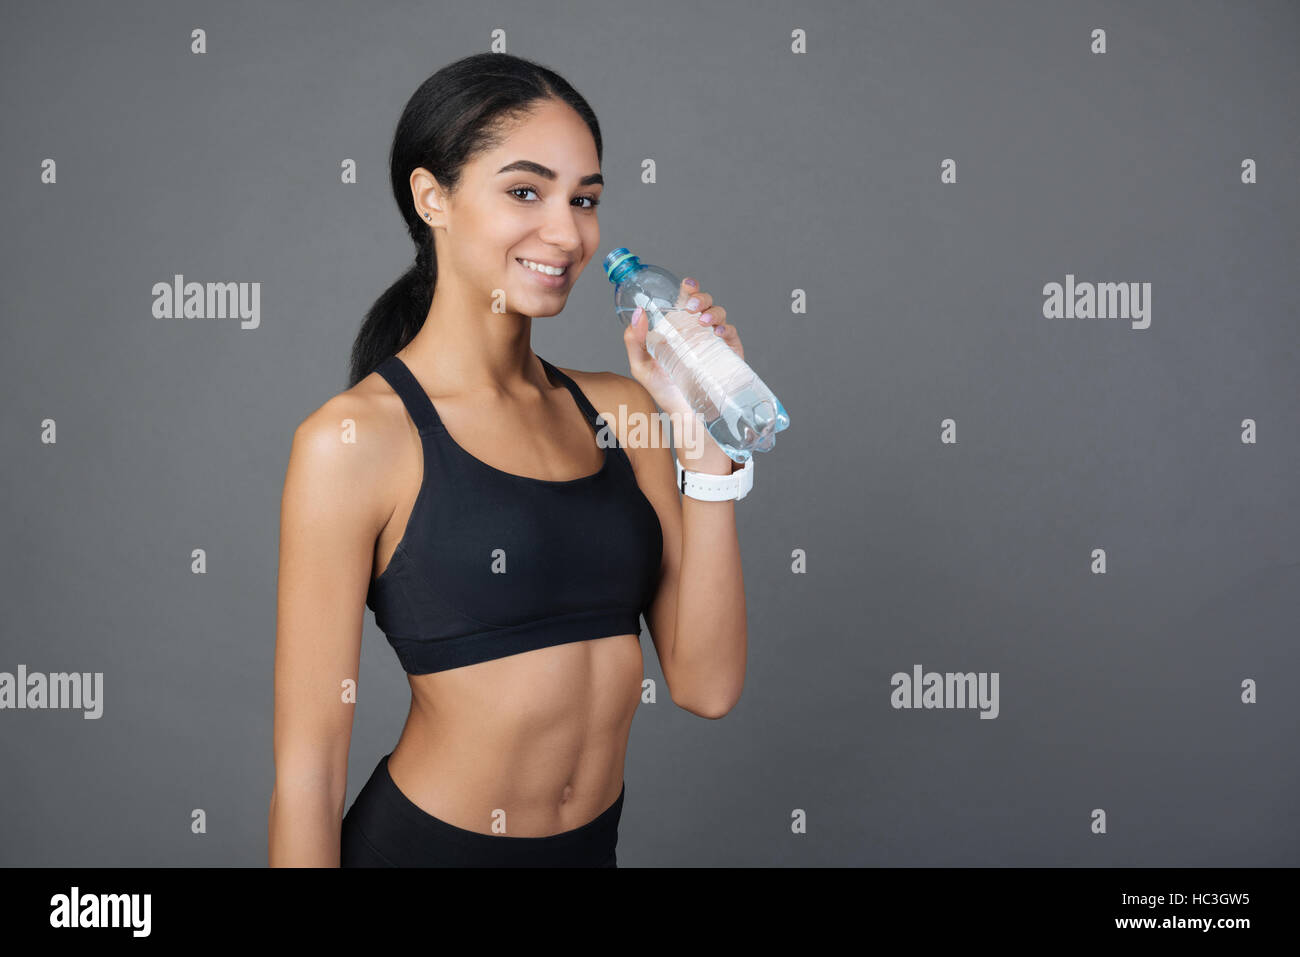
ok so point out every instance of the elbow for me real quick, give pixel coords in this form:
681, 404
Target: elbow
711, 699
711, 708
713, 713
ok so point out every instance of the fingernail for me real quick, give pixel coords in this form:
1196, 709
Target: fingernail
705, 316
693, 303
636, 316
692, 283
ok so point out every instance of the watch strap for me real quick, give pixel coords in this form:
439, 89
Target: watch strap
708, 487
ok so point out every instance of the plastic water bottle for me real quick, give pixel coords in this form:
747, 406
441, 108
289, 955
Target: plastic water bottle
739, 410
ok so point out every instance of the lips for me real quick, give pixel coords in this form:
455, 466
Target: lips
544, 262
542, 279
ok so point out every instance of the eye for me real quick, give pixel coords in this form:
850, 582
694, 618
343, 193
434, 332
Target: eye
595, 201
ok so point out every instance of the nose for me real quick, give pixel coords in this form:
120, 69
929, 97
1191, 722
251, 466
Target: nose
561, 231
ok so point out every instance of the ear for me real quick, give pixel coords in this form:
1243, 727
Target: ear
426, 194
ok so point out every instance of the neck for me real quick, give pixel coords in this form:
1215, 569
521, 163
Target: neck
465, 347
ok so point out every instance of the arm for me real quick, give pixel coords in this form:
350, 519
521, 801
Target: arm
329, 520
697, 618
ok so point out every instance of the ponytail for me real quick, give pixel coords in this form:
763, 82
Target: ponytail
397, 314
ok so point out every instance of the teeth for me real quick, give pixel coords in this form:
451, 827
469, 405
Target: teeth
538, 267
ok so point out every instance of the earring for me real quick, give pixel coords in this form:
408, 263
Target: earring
426, 216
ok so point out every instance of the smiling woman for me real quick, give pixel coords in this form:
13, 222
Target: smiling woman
507, 552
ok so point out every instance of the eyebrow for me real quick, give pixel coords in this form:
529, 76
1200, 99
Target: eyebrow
528, 166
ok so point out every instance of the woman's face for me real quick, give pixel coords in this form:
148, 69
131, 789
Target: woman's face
541, 208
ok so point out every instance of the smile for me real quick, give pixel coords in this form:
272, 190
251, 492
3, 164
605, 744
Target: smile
548, 276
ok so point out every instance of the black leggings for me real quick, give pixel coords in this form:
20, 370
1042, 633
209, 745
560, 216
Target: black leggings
384, 828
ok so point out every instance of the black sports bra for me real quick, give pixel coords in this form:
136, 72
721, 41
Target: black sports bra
493, 564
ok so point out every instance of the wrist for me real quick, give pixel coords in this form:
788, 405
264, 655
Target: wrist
710, 461
716, 487
697, 450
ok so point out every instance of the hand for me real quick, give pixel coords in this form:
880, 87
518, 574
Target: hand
696, 448
649, 373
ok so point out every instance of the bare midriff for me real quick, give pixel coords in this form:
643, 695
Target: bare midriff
536, 740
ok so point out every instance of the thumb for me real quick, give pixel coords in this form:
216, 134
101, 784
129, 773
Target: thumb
635, 334
638, 355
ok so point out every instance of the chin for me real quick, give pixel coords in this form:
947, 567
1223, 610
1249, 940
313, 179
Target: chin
544, 311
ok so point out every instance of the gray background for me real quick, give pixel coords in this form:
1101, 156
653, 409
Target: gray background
775, 172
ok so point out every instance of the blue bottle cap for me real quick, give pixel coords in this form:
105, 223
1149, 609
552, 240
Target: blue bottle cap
613, 260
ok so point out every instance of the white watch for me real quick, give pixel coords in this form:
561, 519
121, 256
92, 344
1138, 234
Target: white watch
708, 487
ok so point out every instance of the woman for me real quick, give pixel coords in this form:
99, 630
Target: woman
461, 490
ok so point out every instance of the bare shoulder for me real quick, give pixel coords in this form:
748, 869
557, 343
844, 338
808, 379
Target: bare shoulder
607, 391
342, 448
630, 411
363, 415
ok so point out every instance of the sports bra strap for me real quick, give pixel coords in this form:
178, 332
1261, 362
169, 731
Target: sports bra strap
587, 408
425, 416
416, 400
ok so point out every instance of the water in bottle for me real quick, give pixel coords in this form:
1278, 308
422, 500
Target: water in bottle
739, 410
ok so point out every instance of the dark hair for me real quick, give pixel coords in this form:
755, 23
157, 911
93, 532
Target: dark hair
464, 108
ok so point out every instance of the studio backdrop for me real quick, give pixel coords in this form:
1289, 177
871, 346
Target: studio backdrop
1022, 576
